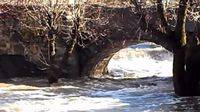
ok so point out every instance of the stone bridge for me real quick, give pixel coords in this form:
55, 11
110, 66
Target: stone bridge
121, 29
113, 29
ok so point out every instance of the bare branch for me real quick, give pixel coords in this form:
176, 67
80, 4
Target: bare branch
181, 21
161, 14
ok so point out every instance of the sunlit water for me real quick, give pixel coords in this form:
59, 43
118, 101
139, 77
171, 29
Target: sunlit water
149, 92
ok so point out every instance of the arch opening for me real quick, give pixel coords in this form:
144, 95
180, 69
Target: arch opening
136, 61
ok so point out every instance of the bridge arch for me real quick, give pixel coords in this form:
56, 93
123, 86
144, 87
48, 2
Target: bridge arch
121, 30
96, 65
99, 55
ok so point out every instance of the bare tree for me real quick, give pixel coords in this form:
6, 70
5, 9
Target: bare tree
183, 39
41, 23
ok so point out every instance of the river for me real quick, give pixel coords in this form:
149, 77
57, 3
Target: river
139, 80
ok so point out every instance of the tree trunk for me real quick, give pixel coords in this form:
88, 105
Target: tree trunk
70, 63
51, 47
179, 65
192, 63
186, 73
179, 71
52, 71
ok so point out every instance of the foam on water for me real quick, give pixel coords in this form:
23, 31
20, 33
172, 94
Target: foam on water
50, 100
139, 61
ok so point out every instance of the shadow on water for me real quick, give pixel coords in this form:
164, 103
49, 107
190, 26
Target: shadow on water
181, 104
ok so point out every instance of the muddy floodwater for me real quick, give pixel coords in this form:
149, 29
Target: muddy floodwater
139, 81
